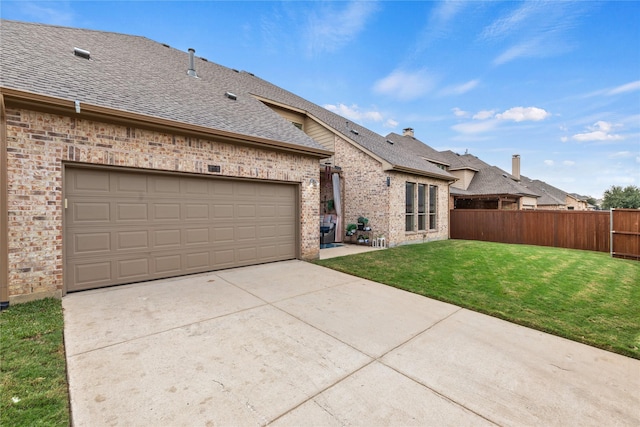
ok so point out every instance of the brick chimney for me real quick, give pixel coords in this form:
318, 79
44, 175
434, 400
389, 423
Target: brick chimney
515, 166
407, 132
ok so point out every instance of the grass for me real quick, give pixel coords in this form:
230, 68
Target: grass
33, 382
584, 296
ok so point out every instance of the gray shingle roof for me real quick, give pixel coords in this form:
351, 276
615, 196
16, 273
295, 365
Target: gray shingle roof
487, 179
397, 156
549, 195
137, 75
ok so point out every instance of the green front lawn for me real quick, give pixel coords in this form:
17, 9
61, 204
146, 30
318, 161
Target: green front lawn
33, 381
587, 297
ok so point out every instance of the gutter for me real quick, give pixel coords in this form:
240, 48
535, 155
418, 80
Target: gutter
4, 214
94, 112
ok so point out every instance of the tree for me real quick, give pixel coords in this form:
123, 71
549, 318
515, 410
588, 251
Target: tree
617, 197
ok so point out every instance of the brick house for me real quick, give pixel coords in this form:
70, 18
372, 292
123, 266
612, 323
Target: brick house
478, 185
124, 160
553, 198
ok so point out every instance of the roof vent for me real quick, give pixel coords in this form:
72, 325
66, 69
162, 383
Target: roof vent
81, 53
355, 132
231, 96
192, 66
389, 141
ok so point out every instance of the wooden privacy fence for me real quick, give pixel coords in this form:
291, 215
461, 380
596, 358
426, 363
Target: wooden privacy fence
617, 231
625, 233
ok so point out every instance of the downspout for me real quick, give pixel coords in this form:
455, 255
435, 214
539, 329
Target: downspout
4, 215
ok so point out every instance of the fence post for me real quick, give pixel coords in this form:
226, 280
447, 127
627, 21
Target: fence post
611, 232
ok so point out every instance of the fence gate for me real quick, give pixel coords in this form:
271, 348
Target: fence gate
625, 233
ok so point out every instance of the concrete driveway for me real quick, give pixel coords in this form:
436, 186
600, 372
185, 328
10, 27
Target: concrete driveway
293, 344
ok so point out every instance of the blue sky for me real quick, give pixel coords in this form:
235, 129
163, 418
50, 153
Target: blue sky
556, 82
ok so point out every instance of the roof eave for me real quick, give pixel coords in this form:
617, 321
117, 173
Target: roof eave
399, 168
66, 106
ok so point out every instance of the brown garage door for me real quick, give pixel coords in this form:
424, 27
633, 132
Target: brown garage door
124, 227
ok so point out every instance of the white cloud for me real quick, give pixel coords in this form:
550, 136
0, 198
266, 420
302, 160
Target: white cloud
597, 135
460, 89
440, 22
534, 29
390, 123
484, 114
529, 48
564, 139
510, 23
549, 162
330, 28
354, 113
520, 114
621, 155
405, 85
475, 127
629, 87
55, 13
459, 113
600, 131
568, 162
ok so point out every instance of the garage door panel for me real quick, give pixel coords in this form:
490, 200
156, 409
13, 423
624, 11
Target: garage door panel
197, 187
129, 183
286, 211
166, 211
286, 230
133, 268
223, 234
245, 190
197, 211
223, 211
89, 181
132, 240
198, 260
166, 237
166, 185
92, 273
85, 243
246, 232
247, 255
132, 212
246, 211
123, 227
195, 236
224, 257
268, 231
94, 212
168, 264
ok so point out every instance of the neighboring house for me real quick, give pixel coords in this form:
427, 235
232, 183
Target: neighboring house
124, 160
478, 185
553, 198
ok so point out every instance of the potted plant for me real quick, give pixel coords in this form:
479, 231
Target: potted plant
351, 229
362, 223
361, 239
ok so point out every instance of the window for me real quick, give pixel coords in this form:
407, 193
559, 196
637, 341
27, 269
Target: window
425, 214
410, 206
433, 206
422, 207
